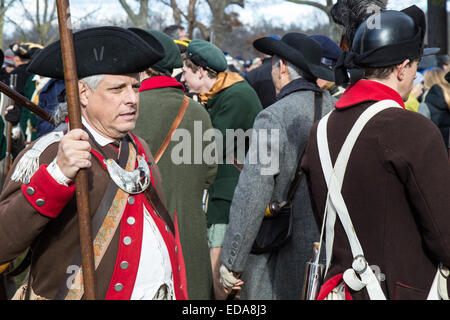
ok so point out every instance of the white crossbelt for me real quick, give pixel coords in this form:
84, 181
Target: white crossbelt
335, 206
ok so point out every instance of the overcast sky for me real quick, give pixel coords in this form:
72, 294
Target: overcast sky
278, 12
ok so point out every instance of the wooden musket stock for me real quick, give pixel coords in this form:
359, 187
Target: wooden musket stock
81, 182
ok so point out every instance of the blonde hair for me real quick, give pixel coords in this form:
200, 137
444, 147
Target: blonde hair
437, 76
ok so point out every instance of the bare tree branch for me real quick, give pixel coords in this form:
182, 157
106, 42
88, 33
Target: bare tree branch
139, 19
314, 4
4, 6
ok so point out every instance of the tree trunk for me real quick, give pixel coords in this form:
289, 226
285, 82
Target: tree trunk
437, 25
4, 6
219, 24
190, 17
139, 20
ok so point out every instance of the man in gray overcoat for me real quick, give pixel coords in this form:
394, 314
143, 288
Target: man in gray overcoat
286, 124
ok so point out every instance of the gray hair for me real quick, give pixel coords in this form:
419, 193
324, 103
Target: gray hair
293, 71
173, 31
93, 81
61, 110
60, 113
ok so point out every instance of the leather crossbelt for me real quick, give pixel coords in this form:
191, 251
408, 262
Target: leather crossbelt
175, 125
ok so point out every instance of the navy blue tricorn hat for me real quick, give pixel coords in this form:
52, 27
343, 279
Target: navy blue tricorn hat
101, 50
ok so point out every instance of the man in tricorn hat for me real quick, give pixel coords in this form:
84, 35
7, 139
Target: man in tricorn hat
136, 248
388, 183
162, 104
232, 105
23, 53
278, 274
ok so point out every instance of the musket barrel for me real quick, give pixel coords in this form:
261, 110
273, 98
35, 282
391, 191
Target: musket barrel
23, 101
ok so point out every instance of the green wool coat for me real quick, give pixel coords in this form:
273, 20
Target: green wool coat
232, 108
183, 184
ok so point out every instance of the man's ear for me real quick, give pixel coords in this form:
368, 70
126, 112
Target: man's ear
283, 68
202, 72
401, 68
84, 92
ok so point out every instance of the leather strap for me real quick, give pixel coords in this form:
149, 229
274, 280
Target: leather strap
318, 106
335, 206
175, 125
100, 213
159, 208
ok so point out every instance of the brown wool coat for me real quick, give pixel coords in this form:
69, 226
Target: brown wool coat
396, 189
56, 241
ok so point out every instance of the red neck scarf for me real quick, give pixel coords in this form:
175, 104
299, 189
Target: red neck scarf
160, 82
366, 90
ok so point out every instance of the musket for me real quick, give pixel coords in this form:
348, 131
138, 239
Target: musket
81, 182
9, 156
24, 102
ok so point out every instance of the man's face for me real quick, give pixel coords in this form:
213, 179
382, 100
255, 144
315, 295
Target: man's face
192, 79
407, 84
182, 34
9, 68
112, 108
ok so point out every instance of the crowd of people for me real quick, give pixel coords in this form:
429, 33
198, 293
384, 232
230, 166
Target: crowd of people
212, 178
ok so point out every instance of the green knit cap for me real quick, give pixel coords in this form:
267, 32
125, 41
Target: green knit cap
206, 55
172, 58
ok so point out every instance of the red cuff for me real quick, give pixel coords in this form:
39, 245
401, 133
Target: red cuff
46, 195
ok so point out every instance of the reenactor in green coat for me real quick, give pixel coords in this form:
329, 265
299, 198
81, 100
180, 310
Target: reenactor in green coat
161, 99
232, 104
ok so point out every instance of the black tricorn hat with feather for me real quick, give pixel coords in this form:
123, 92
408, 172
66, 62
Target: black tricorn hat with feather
351, 13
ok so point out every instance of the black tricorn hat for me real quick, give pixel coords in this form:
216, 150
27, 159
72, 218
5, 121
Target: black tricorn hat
298, 49
101, 50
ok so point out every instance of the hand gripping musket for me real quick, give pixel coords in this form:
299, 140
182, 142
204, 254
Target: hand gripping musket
73, 103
